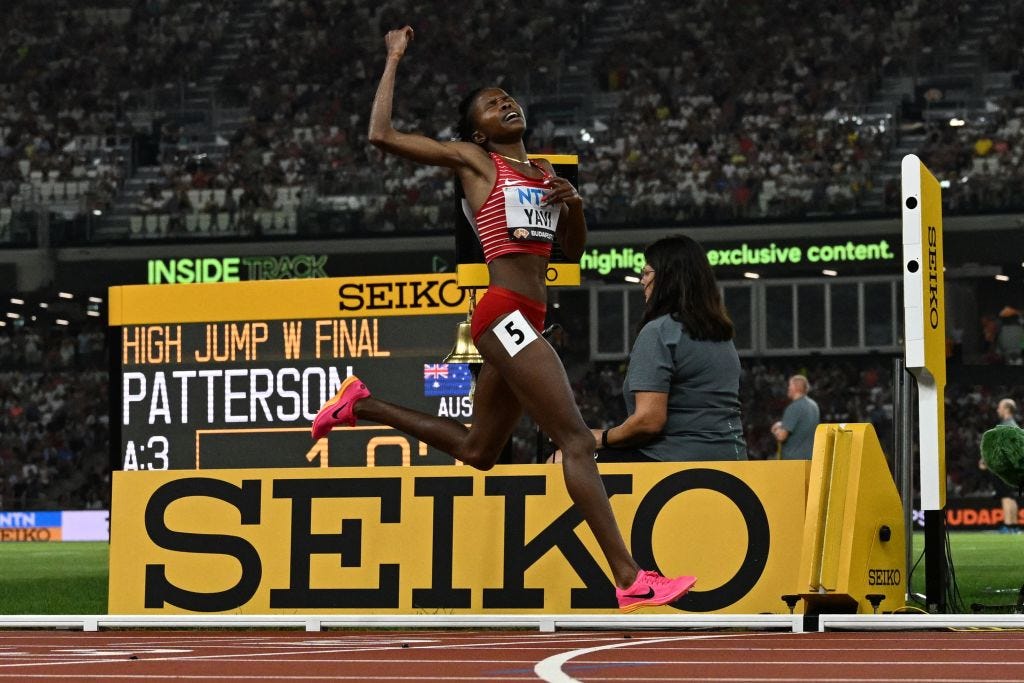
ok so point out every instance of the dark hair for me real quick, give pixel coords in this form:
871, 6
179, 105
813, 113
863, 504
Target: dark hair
685, 288
465, 126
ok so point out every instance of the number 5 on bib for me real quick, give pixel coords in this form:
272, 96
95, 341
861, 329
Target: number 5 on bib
515, 333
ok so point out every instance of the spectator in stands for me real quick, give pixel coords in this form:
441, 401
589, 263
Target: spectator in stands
1007, 412
795, 431
53, 423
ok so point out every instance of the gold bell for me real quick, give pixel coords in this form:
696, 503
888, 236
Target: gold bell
465, 350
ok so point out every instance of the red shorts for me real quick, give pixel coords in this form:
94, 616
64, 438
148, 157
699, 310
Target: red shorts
497, 301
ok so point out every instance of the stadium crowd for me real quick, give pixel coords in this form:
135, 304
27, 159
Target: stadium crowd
73, 75
722, 129
753, 128
733, 149
981, 162
54, 435
307, 73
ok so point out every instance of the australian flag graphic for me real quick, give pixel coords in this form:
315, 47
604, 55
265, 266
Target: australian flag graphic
446, 379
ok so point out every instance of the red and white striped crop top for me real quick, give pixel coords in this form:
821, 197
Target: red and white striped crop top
512, 220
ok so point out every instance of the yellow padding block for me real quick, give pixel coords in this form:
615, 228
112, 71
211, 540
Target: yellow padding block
853, 542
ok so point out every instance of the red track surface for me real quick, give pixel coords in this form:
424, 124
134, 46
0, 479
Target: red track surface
510, 656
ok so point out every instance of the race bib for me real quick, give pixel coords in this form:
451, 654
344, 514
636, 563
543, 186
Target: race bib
527, 219
515, 332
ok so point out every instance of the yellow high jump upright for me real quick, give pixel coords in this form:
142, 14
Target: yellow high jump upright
925, 321
924, 307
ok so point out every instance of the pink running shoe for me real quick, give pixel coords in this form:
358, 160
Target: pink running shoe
340, 410
652, 589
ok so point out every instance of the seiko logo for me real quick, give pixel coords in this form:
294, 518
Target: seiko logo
400, 295
884, 577
933, 278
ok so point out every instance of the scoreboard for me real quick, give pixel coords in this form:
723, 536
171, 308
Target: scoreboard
231, 375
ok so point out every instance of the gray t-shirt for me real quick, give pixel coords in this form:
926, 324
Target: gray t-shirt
702, 380
800, 419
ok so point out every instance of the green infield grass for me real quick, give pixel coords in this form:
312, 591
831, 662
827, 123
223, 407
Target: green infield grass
989, 567
71, 578
53, 578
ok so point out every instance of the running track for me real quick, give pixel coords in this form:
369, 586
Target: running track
511, 656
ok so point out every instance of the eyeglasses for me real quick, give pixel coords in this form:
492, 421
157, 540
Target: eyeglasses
646, 272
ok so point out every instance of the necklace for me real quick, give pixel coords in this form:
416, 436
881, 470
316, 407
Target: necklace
521, 161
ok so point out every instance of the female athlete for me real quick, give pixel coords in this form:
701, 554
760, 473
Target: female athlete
520, 207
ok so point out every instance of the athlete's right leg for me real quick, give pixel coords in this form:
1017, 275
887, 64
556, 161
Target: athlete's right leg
536, 375
478, 446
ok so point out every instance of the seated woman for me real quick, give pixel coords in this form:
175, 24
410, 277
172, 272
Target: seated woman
682, 385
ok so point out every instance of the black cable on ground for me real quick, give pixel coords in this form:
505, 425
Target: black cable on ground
954, 601
910, 577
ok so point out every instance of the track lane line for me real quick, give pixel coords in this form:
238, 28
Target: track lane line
550, 668
305, 651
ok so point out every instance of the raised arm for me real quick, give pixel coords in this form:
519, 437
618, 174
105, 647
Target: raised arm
412, 146
572, 229
571, 232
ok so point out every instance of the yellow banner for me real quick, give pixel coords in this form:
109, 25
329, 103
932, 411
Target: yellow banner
558, 159
558, 275
379, 295
411, 540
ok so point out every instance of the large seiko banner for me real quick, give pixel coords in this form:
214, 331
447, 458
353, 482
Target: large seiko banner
408, 540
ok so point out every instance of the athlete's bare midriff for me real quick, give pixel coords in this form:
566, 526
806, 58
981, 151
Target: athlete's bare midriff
521, 273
